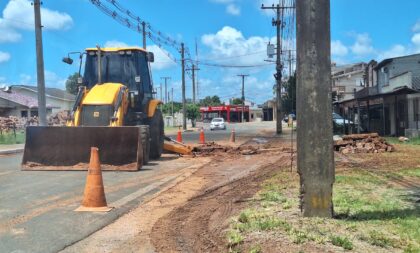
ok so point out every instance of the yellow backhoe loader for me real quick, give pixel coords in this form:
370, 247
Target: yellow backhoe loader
115, 110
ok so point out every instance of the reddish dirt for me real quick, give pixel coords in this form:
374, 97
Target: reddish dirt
198, 225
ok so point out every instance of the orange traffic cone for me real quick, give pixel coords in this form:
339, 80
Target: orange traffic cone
94, 195
232, 135
179, 136
202, 138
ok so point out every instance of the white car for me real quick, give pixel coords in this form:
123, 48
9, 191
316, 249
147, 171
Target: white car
217, 123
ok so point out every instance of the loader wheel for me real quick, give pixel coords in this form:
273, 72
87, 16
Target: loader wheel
157, 135
145, 140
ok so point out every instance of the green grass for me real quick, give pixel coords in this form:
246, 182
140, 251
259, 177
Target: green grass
369, 209
370, 205
343, 242
234, 238
412, 141
10, 138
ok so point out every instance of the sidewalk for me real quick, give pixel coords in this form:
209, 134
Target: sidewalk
11, 149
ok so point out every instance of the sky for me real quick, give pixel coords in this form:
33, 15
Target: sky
227, 32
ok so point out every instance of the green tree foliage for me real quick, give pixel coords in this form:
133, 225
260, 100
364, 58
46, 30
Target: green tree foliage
210, 101
289, 98
167, 108
71, 84
193, 113
236, 101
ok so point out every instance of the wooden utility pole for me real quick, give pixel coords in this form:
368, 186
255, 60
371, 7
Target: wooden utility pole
314, 108
143, 24
42, 110
166, 78
193, 69
184, 105
243, 97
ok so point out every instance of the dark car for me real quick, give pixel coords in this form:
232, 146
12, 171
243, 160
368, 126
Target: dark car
286, 117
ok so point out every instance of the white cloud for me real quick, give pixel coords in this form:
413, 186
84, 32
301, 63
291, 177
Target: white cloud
19, 15
229, 42
162, 61
394, 51
233, 9
416, 41
416, 27
363, 45
338, 49
54, 81
7, 33
25, 79
4, 56
115, 43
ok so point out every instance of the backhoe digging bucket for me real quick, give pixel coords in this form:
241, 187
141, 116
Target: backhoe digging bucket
68, 148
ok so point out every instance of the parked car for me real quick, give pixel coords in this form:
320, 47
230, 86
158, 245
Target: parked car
339, 120
217, 123
286, 117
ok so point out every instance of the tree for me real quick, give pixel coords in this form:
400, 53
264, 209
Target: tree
289, 98
167, 108
71, 84
210, 101
236, 101
193, 112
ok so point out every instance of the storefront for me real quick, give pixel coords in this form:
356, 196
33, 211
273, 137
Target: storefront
231, 113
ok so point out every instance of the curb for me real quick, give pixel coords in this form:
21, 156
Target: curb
11, 151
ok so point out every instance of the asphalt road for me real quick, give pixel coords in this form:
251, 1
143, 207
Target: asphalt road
37, 207
241, 130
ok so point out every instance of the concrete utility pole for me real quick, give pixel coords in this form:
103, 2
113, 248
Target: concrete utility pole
314, 108
184, 106
166, 88
193, 69
279, 67
243, 96
143, 24
42, 110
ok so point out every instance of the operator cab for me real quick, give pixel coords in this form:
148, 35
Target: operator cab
128, 66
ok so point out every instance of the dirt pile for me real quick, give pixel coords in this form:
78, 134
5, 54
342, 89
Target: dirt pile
362, 143
59, 119
12, 123
212, 148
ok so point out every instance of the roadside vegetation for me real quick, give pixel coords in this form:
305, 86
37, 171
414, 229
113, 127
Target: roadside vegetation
10, 138
376, 206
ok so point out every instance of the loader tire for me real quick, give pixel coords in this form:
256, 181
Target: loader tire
145, 140
156, 135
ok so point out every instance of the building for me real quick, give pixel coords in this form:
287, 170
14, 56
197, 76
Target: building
389, 104
347, 79
13, 103
231, 113
60, 100
269, 110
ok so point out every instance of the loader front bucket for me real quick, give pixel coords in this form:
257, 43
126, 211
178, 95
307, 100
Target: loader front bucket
68, 148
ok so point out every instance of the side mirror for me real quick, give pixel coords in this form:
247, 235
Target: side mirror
68, 60
150, 57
